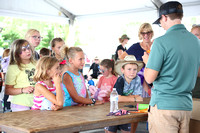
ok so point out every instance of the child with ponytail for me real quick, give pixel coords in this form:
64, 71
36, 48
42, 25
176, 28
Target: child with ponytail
73, 81
106, 82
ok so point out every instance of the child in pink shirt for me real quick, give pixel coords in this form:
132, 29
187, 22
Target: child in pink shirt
106, 82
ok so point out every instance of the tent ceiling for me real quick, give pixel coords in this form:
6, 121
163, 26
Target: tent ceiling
53, 9
91, 7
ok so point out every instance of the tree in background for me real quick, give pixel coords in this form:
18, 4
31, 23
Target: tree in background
47, 39
14, 28
8, 38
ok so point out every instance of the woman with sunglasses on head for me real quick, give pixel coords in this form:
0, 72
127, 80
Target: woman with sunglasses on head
145, 34
19, 77
34, 38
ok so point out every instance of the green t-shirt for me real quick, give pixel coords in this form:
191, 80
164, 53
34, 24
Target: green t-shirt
21, 79
175, 56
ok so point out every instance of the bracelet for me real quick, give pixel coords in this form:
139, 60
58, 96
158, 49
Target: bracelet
93, 101
22, 90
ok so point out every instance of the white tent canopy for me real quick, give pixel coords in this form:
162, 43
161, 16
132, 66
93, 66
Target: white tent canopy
63, 10
104, 15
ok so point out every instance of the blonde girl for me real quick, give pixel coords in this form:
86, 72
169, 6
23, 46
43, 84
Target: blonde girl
106, 82
56, 45
48, 84
34, 38
73, 81
19, 77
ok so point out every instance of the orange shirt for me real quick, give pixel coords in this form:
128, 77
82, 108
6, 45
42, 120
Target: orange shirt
107, 84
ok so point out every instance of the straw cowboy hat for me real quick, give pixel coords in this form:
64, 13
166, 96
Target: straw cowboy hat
127, 60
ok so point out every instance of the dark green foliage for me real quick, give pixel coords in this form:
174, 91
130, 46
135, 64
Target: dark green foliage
8, 38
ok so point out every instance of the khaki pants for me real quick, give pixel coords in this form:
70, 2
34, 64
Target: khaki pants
168, 121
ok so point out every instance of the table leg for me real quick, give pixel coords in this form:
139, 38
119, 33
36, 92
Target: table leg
134, 126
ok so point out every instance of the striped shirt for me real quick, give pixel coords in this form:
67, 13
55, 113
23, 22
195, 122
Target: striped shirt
37, 100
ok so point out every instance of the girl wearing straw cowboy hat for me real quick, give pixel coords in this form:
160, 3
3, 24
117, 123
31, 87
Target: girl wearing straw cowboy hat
128, 85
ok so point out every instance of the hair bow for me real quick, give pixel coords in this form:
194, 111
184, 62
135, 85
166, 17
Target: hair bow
63, 62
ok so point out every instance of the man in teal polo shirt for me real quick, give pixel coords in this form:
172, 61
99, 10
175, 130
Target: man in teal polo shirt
172, 66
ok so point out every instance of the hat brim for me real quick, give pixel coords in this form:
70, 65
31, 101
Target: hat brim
126, 38
157, 21
96, 58
120, 63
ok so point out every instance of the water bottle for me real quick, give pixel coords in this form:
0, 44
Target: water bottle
114, 101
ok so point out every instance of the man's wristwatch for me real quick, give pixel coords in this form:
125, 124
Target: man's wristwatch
93, 100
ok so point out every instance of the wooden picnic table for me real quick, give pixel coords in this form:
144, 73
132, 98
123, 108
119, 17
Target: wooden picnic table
69, 119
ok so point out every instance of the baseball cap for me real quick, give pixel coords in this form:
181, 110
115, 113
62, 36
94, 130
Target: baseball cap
169, 8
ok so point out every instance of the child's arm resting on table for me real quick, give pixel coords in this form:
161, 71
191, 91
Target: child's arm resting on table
67, 80
55, 99
130, 98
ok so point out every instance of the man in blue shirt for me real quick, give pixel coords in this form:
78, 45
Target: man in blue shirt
172, 66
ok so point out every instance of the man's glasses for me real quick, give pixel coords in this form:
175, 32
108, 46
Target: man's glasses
27, 47
148, 33
37, 37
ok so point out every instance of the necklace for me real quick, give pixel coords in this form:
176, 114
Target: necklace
145, 46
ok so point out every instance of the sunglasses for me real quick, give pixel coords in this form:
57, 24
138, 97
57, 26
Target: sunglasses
148, 33
37, 37
102, 71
